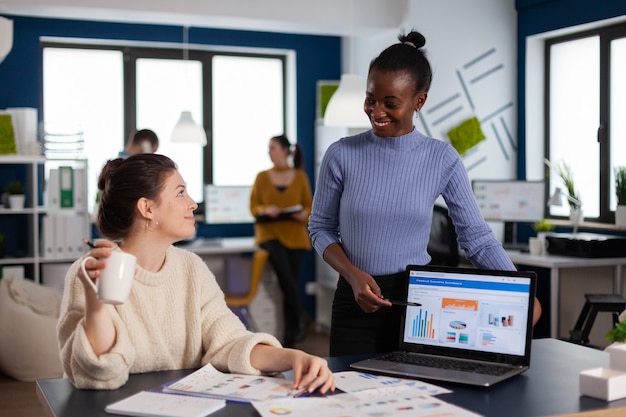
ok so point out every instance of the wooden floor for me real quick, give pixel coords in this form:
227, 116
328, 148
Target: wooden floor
18, 399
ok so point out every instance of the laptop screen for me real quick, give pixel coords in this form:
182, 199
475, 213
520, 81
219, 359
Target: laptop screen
469, 309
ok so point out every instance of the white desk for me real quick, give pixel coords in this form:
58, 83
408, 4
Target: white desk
220, 246
555, 264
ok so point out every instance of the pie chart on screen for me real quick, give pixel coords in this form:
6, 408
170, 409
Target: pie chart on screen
457, 324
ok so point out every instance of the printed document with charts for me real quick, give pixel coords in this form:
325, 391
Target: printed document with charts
393, 401
209, 382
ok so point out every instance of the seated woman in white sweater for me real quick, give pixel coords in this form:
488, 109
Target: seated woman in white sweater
175, 316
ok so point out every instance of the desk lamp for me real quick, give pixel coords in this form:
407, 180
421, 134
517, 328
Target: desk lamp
556, 199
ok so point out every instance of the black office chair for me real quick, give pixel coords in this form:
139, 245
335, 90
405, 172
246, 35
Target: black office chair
443, 247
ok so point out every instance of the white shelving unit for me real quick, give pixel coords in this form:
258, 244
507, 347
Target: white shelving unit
35, 207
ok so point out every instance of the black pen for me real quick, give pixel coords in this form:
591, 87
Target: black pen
88, 243
403, 303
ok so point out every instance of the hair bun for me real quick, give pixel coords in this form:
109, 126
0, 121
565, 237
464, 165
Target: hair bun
107, 171
414, 39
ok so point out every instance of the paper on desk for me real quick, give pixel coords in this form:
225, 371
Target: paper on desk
209, 382
394, 401
353, 381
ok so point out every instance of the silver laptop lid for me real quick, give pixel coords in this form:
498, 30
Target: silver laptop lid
469, 313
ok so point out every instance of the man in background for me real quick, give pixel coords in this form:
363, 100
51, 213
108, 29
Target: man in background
141, 141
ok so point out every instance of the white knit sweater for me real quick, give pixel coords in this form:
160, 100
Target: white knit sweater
174, 319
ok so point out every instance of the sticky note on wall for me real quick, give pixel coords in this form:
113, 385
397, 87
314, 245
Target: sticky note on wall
466, 135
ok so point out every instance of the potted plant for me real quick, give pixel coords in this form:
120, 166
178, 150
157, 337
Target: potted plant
16, 191
543, 227
617, 350
620, 192
565, 173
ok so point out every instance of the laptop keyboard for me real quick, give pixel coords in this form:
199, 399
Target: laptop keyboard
446, 363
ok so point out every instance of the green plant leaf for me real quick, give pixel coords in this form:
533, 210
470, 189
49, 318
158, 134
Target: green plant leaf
618, 333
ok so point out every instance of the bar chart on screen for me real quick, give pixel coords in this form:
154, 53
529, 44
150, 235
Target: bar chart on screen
422, 325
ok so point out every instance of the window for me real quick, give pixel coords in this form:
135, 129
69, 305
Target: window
164, 88
107, 91
82, 91
585, 101
245, 122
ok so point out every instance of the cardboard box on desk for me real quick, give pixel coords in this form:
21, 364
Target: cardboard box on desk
586, 245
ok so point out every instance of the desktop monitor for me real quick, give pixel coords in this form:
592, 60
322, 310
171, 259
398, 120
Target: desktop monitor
227, 204
510, 201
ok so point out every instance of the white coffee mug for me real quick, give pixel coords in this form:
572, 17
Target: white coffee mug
535, 246
113, 284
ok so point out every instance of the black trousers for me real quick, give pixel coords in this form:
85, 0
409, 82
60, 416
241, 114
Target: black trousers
286, 263
353, 331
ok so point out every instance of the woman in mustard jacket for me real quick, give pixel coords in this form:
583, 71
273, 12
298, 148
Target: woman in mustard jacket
281, 202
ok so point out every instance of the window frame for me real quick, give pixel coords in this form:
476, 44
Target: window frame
204, 53
606, 35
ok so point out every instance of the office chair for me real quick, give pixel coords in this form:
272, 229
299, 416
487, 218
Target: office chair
241, 302
442, 245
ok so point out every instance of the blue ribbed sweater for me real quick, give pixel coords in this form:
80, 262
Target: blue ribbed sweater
375, 196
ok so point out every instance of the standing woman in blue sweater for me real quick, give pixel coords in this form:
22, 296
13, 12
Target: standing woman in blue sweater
373, 204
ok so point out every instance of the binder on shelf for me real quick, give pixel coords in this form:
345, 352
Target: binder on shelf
61, 237
66, 187
48, 235
80, 189
52, 190
75, 228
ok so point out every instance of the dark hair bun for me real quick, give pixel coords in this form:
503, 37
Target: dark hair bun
414, 37
109, 168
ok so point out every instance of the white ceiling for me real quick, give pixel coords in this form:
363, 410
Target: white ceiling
319, 17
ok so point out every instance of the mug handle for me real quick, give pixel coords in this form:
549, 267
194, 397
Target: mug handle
82, 266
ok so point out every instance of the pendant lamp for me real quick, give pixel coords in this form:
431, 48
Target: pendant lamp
186, 130
345, 107
6, 37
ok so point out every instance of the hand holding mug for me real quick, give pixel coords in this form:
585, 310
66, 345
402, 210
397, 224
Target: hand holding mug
115, 280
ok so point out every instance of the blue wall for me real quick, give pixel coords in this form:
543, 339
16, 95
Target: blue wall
317, 58
538, 16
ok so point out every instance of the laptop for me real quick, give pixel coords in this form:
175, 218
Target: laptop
480, 321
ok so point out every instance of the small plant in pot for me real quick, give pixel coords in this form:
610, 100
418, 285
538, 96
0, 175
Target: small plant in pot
16, 192
543, 226
617, 350
620, 192
15, 188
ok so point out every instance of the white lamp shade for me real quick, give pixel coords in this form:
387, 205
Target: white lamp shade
186, 130
345, 107
556, 199
6, 37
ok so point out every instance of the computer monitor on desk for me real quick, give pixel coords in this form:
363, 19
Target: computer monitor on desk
511, 202
227, 204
